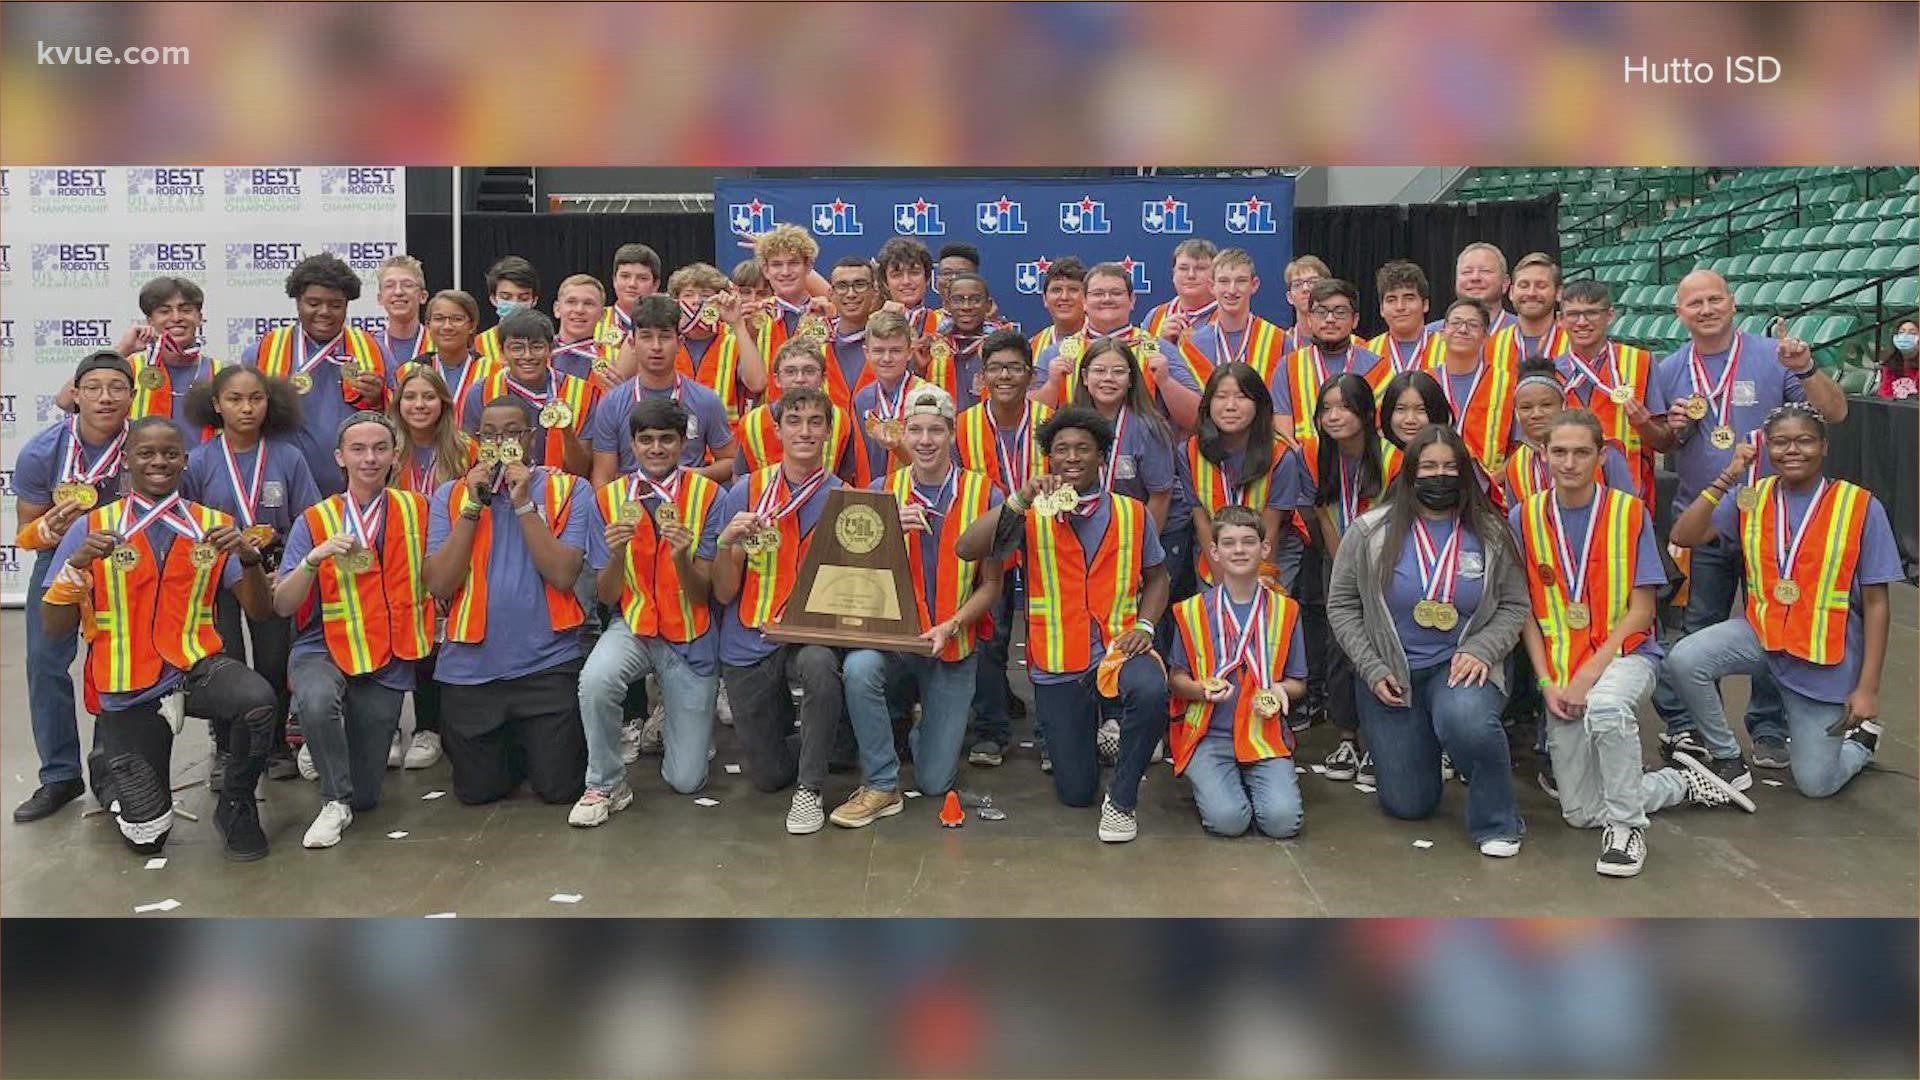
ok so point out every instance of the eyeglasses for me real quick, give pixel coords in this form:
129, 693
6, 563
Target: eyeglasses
1004, 368
1106, 294
851, 288
1465, 324
1330, 312
1574, 315
524, 350
444, 319
394, 285
96, 391
1304, 284
966, 301
509, 435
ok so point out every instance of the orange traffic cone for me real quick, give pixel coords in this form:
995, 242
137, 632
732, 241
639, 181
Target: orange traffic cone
951, 815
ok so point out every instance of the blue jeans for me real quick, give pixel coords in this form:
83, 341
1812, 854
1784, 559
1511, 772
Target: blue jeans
619, 659
56, 726
348, 722
1821, 763
991, 690
1068, 712
1713, 574
1232, 796
944, 688
1462, 720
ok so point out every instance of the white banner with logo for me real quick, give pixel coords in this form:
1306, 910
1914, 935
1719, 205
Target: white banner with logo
77, 242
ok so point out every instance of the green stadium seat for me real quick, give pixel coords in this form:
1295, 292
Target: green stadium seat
1904, 294
1888, 232
1851, 260
1880, 260
1906, 258
1856, 380
1768, 294
1909, 230
1779, 241
1817, 292
1862, 232
1804, 263
1834, 328
1849, 212
1806, 327
1857, 301
1664, 299
1790, 294
1747, 293
1829, 262
1752, 324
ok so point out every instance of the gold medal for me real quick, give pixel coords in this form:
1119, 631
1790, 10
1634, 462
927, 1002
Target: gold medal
892, 432
1445, 616
126, 557
1062, 500
151, 377
302, 382
630, 512
812, 327
556, 414
666, 515
1621, 394
1215, 685
203, 554
764, 541
940, 351
1423, 614
357, 560
350, 371
84, 494
604, 368
489, 453
871, 425
1747, 499
1266, 703
1147, 347
1722, 438
709, 314
1786, 591
509, 452
1071, 348
1696, 408
1579, 617
258, 536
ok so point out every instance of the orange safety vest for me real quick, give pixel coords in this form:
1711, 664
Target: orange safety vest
1487, 426
718, 371
1211, 491
1254, 739
766, 579
1433, 349
653, 601
1265, 351
1635, 366
607, 329
1612, 561
147, 616
1505, 348
955, 577
467, 614
275, 357
579, 394
979, 451
1814, 627
384, 614
1065, 594
487, 344
760, 438
1303, 382
1158, 317
159, 400
1523, 481
1390, 458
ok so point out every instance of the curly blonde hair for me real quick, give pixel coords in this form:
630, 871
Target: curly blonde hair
786, 240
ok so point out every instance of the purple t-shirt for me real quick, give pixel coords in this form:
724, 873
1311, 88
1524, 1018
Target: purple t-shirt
322, 409
1648, 570
1426, 647
852, 356
742, 645
519, 639
160, 538
866, 402
575, 362
1142, 465
36, 468
180, 379
1614, 471
707, 427
940, 499
310, 637
1283, 490
1090, 530
1760, 386
1295, 666
702, 654
286, 485
1351, 359
1879, 564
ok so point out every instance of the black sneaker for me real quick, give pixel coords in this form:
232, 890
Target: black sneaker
238, 819
1771, 753
217, 772
1733, 770
48, 799
281, 766
1705, 786
1548, 784
1866, 733
1623, 851
1687, 740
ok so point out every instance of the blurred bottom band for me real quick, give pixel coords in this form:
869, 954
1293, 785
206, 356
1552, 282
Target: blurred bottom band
820, 998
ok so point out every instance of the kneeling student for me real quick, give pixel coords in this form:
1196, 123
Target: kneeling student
1238, 665
1592, 569
938, 501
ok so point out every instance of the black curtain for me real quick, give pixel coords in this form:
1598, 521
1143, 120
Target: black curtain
558, 245
1355, 240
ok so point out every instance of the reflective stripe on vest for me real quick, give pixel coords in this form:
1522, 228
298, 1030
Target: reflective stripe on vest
1611, 564
1253, 739
275, 356
373, 618
147, 615
467, 616
1065, 594
1211, 494
954, 577
1813, 628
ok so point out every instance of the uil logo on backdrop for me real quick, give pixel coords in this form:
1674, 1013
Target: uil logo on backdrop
1029, 278
262, 265
1251, 216
1086, 217
364, 256
1165, 216
64, 342
273, 189
1137, 273
359, 188
837, 218
750, 218
67, 191
182, 258
64, 266
918, 218
167, 190
1004, 217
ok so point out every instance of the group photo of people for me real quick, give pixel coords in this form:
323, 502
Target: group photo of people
535, 534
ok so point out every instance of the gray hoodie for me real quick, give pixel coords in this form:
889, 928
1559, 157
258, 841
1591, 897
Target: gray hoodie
1357, 607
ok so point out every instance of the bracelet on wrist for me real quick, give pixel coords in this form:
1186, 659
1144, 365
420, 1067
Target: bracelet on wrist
1545, 683
1712, 496
1017, 503
528, 508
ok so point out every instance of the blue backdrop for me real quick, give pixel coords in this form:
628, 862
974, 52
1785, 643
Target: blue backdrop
1021, 225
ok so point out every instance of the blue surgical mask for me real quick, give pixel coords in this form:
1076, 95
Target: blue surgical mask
504, 308
1906, 342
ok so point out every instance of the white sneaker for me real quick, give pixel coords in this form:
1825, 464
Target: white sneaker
806, 815
1106, 742
653, 740
326, 829
397, 751
174, 708
1500, 848
722, 709
1344, 763
1623, 851
629, 741
596, 806
425, 750
304, 762
1117, 826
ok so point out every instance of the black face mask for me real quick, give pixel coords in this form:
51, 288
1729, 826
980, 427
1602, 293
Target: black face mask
1437, 492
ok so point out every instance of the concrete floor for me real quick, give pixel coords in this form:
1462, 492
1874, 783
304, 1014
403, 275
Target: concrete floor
666, 855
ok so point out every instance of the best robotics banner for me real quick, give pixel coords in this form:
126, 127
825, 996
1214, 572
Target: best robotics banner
1021, 226
77, 242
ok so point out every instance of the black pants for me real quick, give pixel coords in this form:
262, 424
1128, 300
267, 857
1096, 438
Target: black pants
426, 696
1324, 673
133, 764
763, 715
272, 640
500, 733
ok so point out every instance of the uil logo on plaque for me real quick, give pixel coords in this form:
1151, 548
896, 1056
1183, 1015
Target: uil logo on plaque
855, 589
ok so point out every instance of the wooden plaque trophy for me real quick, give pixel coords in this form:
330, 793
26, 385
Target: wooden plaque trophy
855, 589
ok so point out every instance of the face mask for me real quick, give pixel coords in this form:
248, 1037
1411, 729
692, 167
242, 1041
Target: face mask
504, 308
1437, 492
1906, 342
